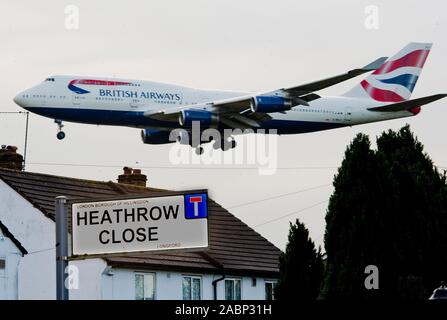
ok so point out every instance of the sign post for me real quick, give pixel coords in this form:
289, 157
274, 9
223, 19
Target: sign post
151, 223
61, 247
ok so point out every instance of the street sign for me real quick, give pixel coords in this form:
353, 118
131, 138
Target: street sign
142, 224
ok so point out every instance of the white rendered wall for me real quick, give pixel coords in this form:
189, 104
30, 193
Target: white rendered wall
37, 269
89, 273
8, 276
120, 284
36, 233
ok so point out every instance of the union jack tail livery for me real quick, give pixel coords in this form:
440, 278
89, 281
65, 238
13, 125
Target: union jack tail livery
395, 79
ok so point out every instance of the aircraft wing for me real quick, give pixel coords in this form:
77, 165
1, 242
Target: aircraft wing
237, 113
325, 83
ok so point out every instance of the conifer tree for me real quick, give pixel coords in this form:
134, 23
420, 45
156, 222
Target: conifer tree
388, 209
301, 267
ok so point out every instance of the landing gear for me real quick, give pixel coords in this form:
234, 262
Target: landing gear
225, 144
185, 138
199, 150
60, 135
233, 143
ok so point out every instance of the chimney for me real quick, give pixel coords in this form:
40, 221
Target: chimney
132, 176
10, 159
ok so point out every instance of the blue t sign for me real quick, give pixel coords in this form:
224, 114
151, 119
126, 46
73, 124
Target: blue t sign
196, 206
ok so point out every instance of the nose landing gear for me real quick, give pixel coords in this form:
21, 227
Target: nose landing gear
60, 134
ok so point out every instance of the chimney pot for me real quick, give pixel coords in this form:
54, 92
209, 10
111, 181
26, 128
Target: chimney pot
127, 170
132, 176
12, 148
10, 159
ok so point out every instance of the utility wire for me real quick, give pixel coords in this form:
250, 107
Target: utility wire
280, 196
41, 250
291, 213
192, 167
170, 167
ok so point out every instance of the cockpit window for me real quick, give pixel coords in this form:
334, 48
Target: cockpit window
49, 79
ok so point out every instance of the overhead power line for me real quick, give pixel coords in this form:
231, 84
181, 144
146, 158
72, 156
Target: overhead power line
13, 112
291, 213
43, 250
280, 196
170, 167
191, 167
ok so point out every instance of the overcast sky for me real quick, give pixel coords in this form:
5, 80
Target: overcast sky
234, 45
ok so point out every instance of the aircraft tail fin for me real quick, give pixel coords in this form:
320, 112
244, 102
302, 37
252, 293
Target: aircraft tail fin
396, 78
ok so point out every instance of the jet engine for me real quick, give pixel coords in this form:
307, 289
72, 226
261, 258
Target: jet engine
206, 118
268, 104
152, 136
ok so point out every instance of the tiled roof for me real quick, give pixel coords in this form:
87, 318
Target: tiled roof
234, 246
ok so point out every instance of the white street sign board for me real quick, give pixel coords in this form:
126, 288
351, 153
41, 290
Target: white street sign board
143, 224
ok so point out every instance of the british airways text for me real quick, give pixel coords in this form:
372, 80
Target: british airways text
140, 95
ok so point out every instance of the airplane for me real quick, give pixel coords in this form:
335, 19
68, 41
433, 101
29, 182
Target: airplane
158, 108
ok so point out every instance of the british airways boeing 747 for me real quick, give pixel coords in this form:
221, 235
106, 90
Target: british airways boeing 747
158, 108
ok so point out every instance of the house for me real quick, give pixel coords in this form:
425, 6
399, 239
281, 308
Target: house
239, 263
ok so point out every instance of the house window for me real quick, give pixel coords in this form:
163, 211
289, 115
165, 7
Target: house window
270, 290
144, 286
192, 288
233, 289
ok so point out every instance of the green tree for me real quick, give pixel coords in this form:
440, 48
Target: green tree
388, 209
301, 267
